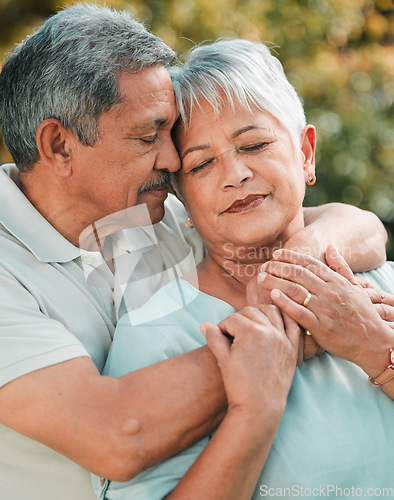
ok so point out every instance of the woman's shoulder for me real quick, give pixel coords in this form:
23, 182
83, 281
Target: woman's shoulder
166, 326
179, 298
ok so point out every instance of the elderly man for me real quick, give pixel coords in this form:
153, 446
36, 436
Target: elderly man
86, 110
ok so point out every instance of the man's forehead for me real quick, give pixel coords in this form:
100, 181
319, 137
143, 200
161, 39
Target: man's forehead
151, 84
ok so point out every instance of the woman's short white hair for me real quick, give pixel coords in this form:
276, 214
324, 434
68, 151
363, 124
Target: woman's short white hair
237, 72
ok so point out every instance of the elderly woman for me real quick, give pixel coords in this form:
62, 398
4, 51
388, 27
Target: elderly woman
246, 155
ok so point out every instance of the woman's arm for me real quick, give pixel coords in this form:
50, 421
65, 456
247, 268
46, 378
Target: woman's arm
339, 314
359, 235
257, 370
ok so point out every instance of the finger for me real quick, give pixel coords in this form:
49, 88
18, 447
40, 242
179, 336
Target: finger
299, 313
247, 318
217, 342
385, 311
311, 347
274, 314
295, 337
297, 274
363, 282
315, 266
387, 298
293, 330
300, 293
243, 323
377, 296
300, 351
293, 290
338, 264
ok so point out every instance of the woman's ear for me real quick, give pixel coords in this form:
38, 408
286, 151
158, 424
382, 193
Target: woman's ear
308, 148
54, 146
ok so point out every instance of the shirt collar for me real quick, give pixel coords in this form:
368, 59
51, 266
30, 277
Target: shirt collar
26, 224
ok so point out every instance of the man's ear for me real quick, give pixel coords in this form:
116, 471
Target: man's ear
308, 148
54, 145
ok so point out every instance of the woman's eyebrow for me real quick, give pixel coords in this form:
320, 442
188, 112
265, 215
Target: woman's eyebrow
245, 129
194, 148
237, 133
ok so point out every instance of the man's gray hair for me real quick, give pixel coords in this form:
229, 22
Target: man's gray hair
237, 72
68, 70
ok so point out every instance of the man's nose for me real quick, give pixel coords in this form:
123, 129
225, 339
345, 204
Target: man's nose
168, 158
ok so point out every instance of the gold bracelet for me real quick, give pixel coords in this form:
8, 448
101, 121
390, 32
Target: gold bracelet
388, 373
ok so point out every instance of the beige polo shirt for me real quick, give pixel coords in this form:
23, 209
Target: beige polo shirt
49, 313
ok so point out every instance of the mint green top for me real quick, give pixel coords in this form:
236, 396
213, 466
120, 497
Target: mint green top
336, 437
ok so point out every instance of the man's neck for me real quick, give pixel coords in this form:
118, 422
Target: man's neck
55, 204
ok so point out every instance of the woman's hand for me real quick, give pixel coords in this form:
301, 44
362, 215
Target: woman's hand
256, 296
258, 365
384, 302
339, 313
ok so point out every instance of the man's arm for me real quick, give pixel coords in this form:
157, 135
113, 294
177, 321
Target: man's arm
359, 235
117, 427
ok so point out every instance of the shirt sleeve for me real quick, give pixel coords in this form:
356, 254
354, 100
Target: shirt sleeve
29, 339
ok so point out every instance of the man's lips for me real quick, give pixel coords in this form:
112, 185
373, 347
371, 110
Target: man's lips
158, 192
249, 203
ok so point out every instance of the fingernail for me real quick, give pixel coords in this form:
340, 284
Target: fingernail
263, 266
275, 294
261, 277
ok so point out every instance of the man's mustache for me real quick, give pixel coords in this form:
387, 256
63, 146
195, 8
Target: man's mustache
157, 183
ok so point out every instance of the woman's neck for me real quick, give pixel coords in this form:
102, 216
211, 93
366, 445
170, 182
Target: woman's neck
226, 277
226, 271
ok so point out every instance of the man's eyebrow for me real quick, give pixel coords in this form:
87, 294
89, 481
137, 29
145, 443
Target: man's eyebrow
245, 129
150, 125
195, 148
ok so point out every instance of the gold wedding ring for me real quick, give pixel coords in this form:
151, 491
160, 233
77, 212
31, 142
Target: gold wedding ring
307, 299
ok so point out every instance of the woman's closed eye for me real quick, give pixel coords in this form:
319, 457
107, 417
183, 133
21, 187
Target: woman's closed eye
254, 147
201, 166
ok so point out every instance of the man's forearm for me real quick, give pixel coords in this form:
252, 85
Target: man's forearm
117, 427
358, 235
178, 402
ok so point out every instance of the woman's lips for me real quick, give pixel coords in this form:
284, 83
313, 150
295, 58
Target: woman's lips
249, 203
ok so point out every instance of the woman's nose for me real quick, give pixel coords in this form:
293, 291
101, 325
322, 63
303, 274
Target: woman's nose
235, 172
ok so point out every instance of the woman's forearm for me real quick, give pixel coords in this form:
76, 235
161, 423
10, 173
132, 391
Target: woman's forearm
229, 466
257, 368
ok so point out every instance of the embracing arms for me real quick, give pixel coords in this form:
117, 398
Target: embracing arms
118, 427
357, 234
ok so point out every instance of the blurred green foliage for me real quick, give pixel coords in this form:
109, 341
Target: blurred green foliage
338, 55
